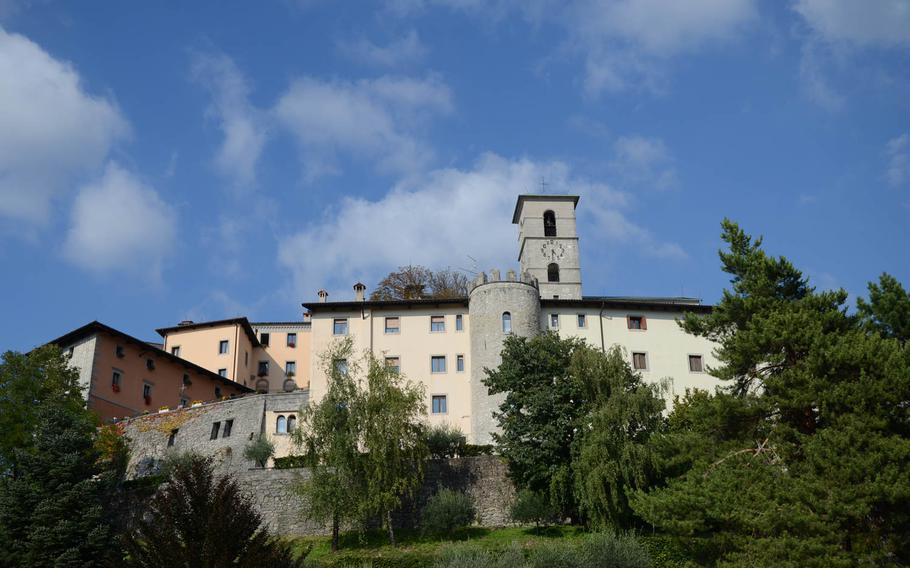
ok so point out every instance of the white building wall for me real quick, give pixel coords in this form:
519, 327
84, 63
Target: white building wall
83, 359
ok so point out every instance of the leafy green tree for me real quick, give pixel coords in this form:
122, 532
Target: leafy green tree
51, 499
809, 462
200, 520
533, 507
28, 382
888, 308
259, 451
612, 456
391, 415
329, 434
445, 441
541, 412
446, 511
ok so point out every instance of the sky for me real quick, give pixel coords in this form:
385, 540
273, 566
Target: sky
164, 161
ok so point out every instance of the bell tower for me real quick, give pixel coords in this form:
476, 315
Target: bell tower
548, 243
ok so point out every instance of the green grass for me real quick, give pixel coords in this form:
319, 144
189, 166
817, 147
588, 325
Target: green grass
417, 551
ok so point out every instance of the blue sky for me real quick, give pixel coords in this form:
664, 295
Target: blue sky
203, 160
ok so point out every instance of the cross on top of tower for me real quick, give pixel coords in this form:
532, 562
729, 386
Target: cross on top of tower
543, 184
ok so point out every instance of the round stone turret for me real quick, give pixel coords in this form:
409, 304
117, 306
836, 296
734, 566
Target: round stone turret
496, 308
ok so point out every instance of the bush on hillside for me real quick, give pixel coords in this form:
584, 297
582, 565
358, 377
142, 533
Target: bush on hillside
446, 511
259, 451
533, 507
445, 442
599, 550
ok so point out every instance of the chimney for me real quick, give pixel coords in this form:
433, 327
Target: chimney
359, 290
185, 322
307, 317
323, 295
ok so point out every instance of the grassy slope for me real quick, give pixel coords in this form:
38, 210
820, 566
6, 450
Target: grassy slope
416, 551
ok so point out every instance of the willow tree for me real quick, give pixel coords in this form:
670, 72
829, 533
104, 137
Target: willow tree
391, 415
329, 434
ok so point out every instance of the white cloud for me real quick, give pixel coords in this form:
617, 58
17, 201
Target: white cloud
405, 50
377, 119
51, 130
644, 161
898, 152
441, 218
242, 125
120, 225
815, 83
882, 23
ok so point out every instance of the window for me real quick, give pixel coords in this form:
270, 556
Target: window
340, 326
246, 358
392, 324
281, 425
228, 426
216, 426
439, 404
549, 224
184, 402
118, 351
172, 437
393, 363
217, 392
222, 372
292, 423
263, 368
438, 364
115, 380
150, 364
341, 366
175, 351
695, 364
459, 363
222, 347
637, 322
264, 339
459, 322
70, 352
640, 361
552, 272
554, 321
186, 380
146, 390
290, 368
582, 321
506, 322
292, 340
437, 323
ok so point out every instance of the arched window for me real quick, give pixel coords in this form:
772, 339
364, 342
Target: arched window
281, 426
292, 423
506, 322
553, 272
549, 224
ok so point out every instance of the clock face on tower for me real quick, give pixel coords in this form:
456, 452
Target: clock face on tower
552, 250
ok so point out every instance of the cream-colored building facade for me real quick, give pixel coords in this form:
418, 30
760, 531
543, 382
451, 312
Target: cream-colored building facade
445, 345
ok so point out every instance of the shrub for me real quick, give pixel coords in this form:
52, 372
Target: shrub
290, 462
446, 511
474, 450
259, 451
606, 550
445, 442
533, 507
473, 556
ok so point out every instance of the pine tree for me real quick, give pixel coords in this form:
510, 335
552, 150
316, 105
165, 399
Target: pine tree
51, 503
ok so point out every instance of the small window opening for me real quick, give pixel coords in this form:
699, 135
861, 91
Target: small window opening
506, 322
553, 272
549, 224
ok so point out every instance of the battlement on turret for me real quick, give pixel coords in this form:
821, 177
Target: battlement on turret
496, 276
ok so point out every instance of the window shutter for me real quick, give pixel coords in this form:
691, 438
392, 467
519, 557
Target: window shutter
644, 322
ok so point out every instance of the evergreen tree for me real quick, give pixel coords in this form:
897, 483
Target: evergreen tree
888, 309
51, 511
808, 463
198, 520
